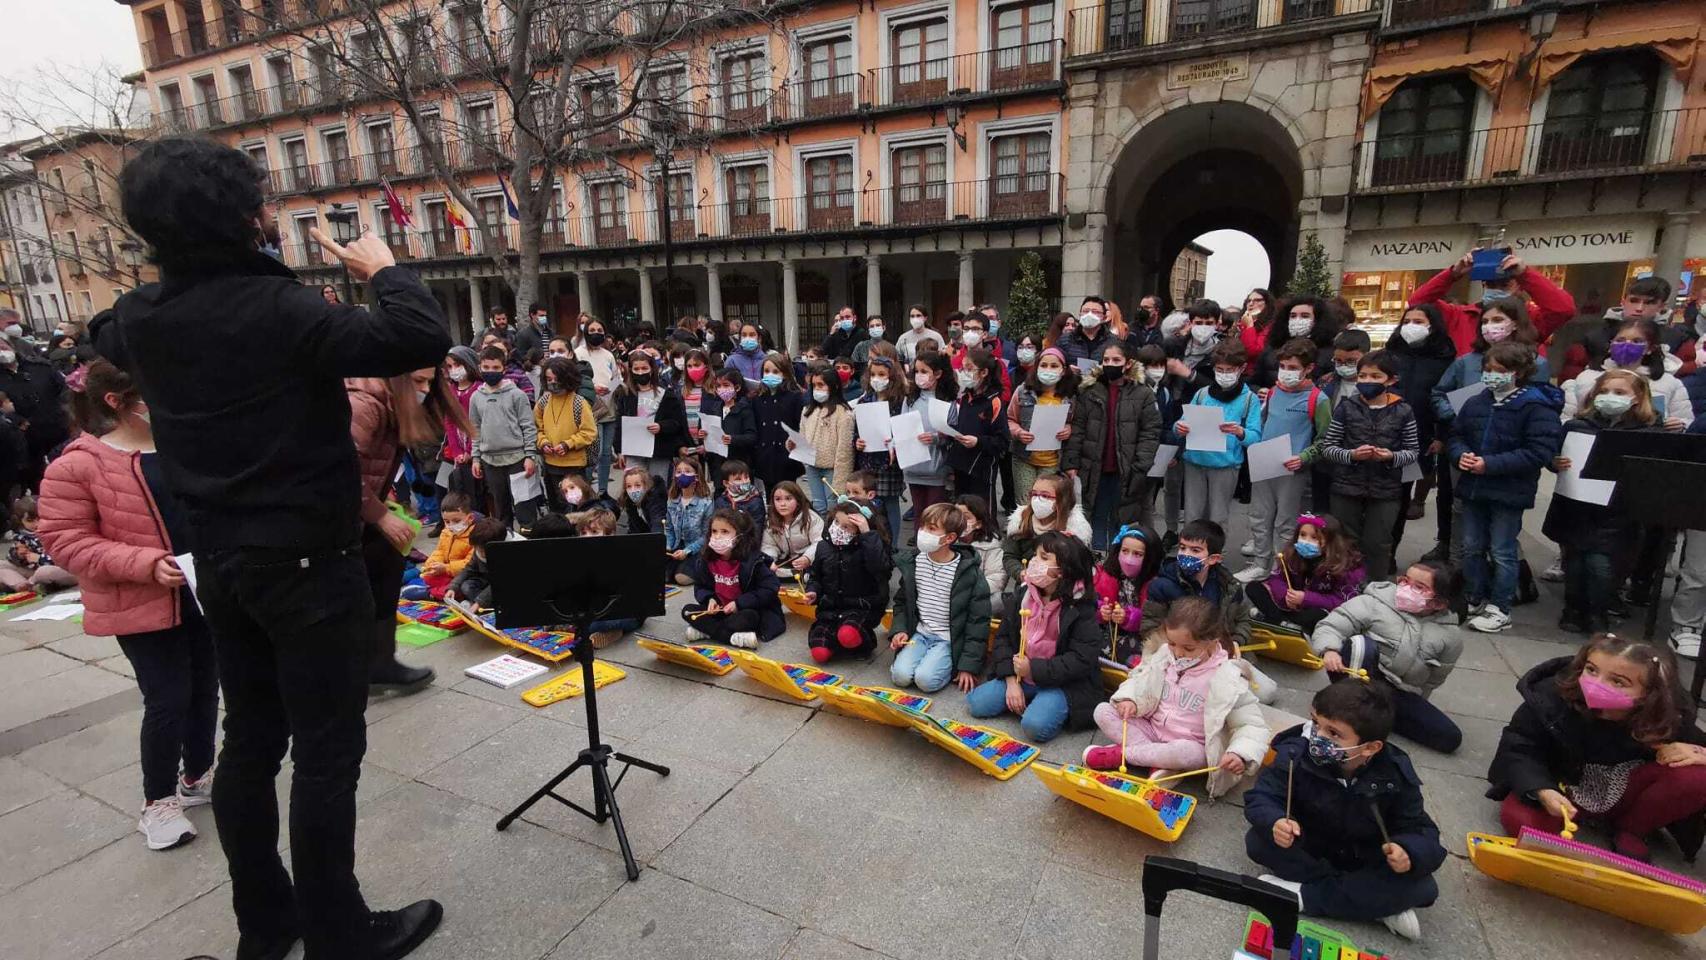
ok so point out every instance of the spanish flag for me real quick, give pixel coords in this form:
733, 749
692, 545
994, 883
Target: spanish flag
453, 216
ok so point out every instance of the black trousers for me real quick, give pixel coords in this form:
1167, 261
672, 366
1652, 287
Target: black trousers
179, 677
1365, 894
384, 581
1271, 612
293, 635
720, 626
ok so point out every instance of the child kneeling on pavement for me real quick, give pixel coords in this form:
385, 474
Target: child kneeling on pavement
1338, 815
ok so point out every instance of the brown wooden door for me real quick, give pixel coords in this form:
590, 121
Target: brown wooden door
829, 78
919, 52
1020, 187
749, 199
920, 184
829, 192
1024, 45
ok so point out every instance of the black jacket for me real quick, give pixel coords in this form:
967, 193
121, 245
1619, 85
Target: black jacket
671, 419
985, 418
1419, 369
840, 343
1337, 819
1588, 526
852, 580
37, 390
243, 372
770, 410
740, 425
759, 589
1075, 667
648, 515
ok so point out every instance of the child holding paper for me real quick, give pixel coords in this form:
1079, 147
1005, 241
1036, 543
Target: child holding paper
885, 383
826, 423
1296, 408
1048, 382
1594, 537
1211, 475
505, 435
641, 396
932, 379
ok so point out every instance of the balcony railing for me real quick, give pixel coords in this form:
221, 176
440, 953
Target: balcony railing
1405, 13
1030, 66
1667, 139
1109, 27
399, 164
231, 31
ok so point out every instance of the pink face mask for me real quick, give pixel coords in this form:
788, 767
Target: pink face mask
1410, 599
1603, 696
1130, 566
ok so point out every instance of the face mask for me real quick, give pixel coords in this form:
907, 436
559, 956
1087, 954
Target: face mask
1498, 382
420, 396
459, 527
1307, 549
636, 495
1346, 371
15, 330
928, 542
1603, 696
642, 378
1049, 377
679, 363
1371, 390
749, 343
916, 322
697, 374
924, 381
820, 395
726, 394
1626, 354
1496, 331
1042, 508
1027, 356
1410, 599
1324, 752
1112, 372
844, 376
1038, 575
1202, 332
1299, 326
1489, 295
685, 480
491, 377
555, 387
771, 380
1089, 322
595, 339
456, 374
1225, 380
1131, 566
1154, 374
738, 490
971, 338
1613, 404
1414, 333
843, 324
876, 333
1290, 378
722, 543
967, 379
560, 353
572, 496
840, 535
994, 327
1191, 566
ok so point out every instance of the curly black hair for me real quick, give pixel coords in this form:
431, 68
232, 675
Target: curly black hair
195, 202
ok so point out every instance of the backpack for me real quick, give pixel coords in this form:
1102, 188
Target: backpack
1314, 395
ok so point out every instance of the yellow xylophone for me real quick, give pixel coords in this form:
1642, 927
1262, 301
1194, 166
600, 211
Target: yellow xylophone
797, 680
794, 601
704, 657
876, 704
1138, 803
569, 684
1282, 643
1595, 885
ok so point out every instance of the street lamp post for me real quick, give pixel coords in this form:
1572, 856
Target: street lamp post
346, 226
663, 142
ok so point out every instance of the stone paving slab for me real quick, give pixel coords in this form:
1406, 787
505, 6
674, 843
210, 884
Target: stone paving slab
59, 693
660, 915
54, 831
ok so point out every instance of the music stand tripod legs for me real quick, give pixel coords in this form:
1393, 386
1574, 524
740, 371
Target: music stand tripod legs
596, 758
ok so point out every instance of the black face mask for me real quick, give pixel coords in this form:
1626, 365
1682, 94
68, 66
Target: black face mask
642, 378
1112, 372
595, 339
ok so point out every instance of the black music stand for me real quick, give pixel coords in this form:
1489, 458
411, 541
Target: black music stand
1660, 481
577, 581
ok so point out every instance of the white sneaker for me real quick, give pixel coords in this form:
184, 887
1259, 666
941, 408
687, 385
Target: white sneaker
1249, 548
1554, 573
1405, 925
694, 635
1253, 573
164, 825
197, 793
1490, 620
1291, 885
1686, 643
745, 639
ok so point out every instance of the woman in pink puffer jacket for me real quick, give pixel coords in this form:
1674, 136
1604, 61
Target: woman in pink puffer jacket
107, 516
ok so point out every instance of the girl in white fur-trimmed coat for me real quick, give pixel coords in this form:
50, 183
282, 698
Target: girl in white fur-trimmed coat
1052, 505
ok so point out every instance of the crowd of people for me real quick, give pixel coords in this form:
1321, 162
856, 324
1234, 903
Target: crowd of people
1099, 538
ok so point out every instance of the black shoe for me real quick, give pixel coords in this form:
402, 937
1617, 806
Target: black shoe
251, 948
1599, 624
1637, 593
396, 933
1573, 622
1439, 554
399, 676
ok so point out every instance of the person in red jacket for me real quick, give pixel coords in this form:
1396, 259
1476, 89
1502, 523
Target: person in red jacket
1552, 306
108, 516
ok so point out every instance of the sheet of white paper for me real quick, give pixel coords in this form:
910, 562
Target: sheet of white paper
1457, 398
713, 427
1571, 483
803, 451
1204, 423
908, 452
445, 469
1164, 455
1047, 419
1411, 473
59, 611
637, 441
525, 488
1267, 458
1087, 365
186, 563
874, 422
941, 412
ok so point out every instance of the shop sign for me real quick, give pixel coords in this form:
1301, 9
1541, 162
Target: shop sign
1582, 240
1415, 248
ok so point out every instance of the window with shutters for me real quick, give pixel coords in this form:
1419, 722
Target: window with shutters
298, 172
1125, 24
610, 212
1024, 44
491, 213
599, 107
1599, 112
1203, 18
339, 167
918, 52
1424, 131
829, 192
920, 188
382, 147
829, 76
744, 90
677, 195
748, 190
1020, 184
246, 104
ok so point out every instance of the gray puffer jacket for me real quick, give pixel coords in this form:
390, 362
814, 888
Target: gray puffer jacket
1416, 653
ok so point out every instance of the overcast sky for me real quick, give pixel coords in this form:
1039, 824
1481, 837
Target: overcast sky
1238, 263
77, 36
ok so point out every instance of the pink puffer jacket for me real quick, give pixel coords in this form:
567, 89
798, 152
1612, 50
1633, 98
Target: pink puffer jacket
99, 521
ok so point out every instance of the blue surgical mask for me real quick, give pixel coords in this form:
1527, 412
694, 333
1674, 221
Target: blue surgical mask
1489, 295
1307, 549
771, 380
1191, 566
749, 343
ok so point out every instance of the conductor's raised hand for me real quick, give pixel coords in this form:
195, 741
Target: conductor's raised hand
365, 256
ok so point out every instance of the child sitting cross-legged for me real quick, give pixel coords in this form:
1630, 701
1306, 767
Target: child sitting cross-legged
1046, 659
599, 522
1122, 584
1315, 574
791, 532
849, 585
474, 584
1187, 705
941, 608
734, 589
688, 512
452, 553
983, 534
1338, 815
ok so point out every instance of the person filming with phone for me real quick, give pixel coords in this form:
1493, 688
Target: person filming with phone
1550, 306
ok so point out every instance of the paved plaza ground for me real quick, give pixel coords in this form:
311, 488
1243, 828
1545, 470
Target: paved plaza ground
784, 831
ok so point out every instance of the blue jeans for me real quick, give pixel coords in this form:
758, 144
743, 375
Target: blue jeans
891, 512
817, 487
604, 457
1102, 514
927, 662
1045, 709
1489, 530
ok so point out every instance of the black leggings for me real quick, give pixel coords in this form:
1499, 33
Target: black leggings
385, 579
1271, 612
720, 626
179, 678
825, 631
